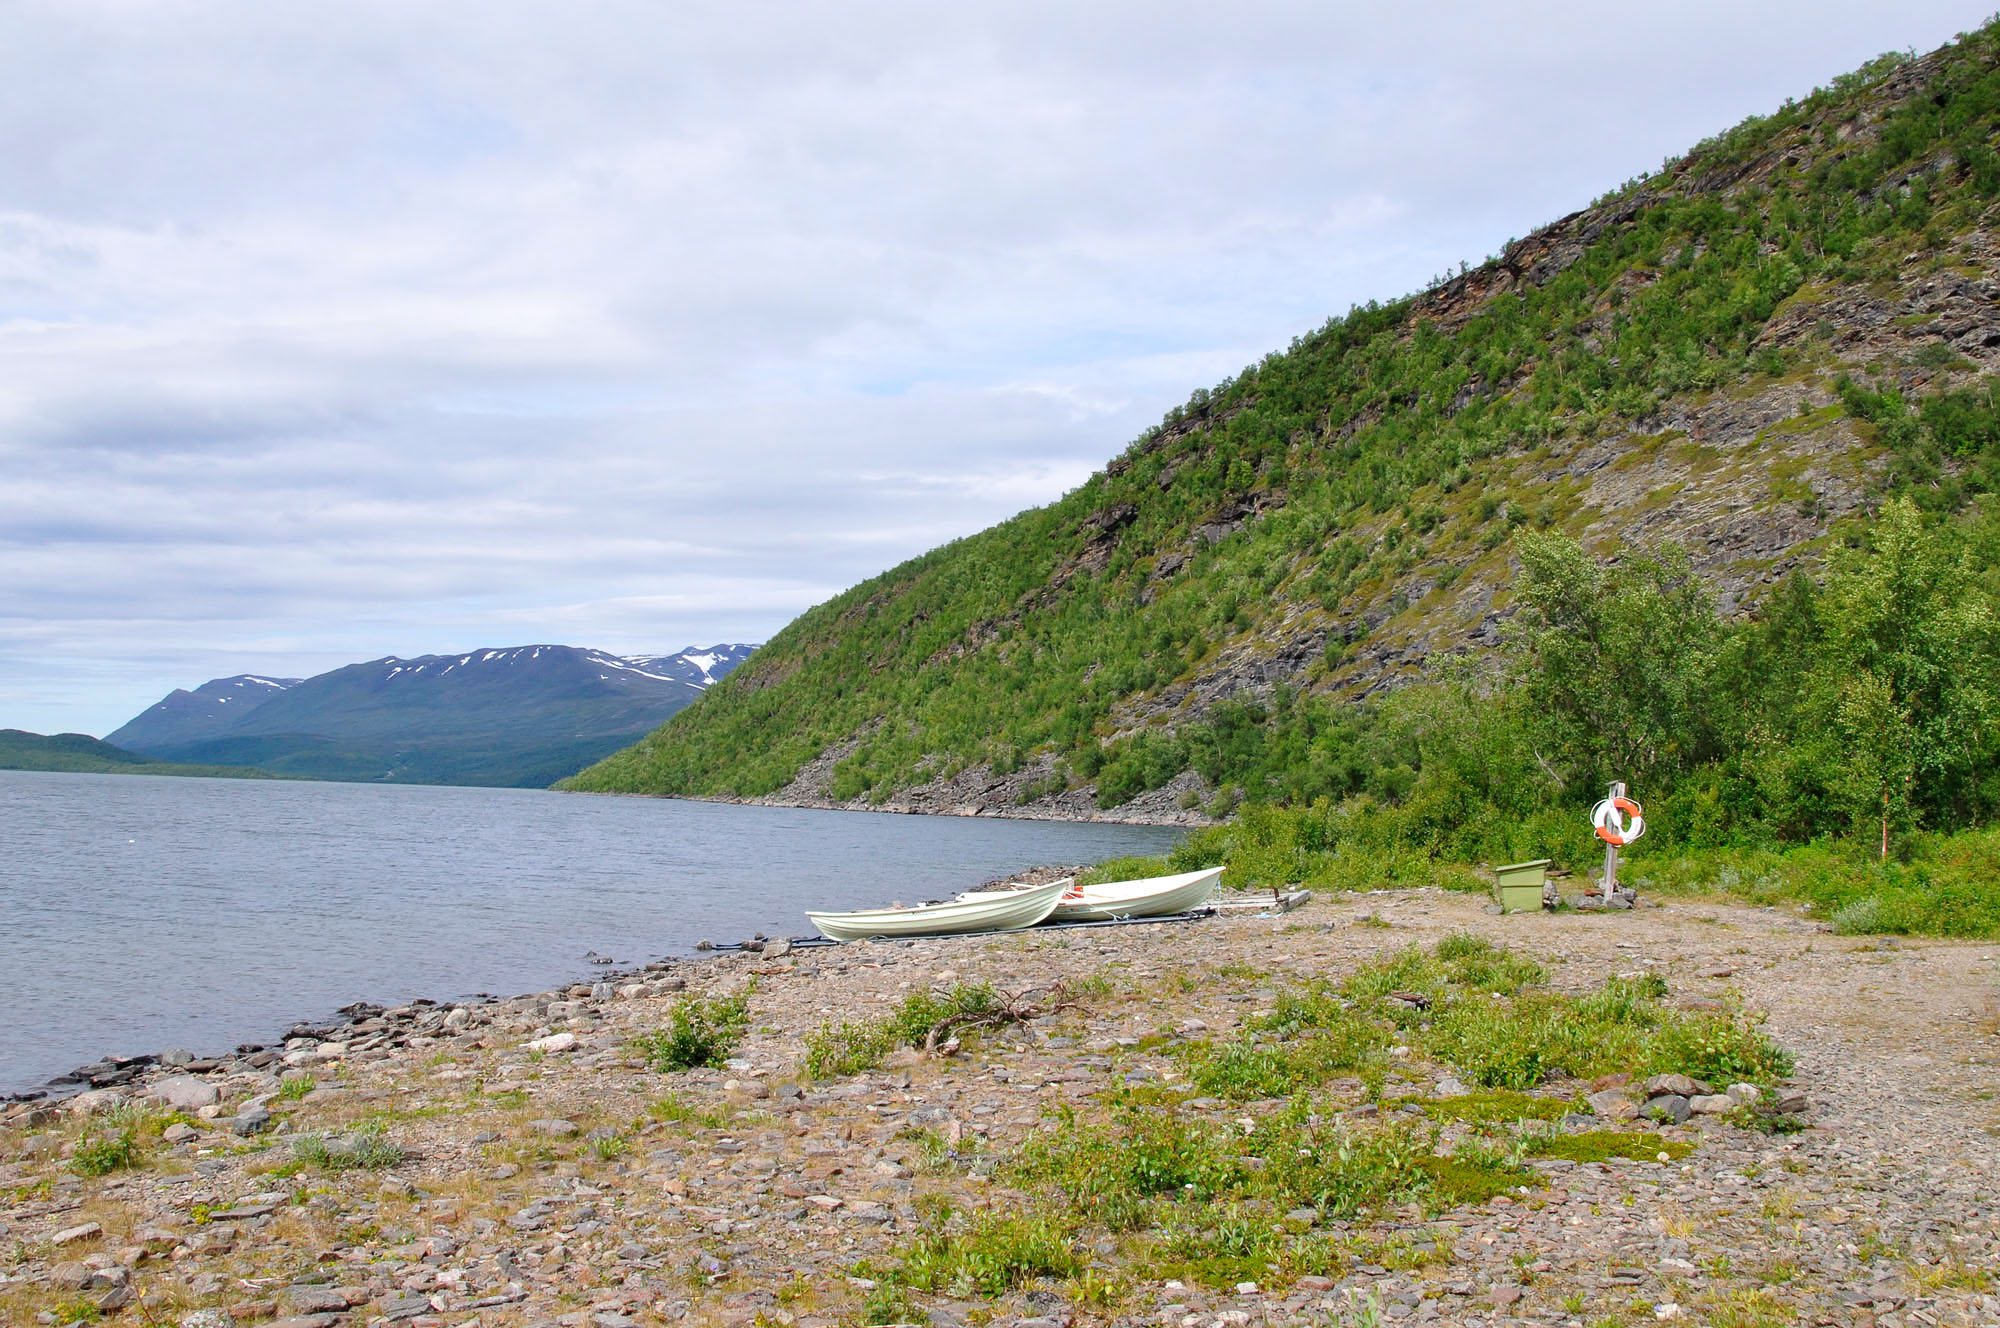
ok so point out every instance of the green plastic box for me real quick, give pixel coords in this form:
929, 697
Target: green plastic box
1518, 885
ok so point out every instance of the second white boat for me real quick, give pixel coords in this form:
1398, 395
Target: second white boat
1147, 897
997, 911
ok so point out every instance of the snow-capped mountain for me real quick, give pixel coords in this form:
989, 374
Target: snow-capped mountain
510, 715
209, 709
699, 666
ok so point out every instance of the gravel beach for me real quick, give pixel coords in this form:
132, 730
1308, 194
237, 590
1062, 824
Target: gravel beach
534, 1169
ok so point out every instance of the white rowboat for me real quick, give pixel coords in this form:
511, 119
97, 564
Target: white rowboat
1008, 911
1148, 897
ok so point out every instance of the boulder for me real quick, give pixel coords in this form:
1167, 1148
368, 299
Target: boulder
1614, 1103
185, 1092
1679, 1085
315, 1299
94, 1102
1671, 1107
253, 1119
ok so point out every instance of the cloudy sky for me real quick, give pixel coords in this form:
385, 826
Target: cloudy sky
336, 331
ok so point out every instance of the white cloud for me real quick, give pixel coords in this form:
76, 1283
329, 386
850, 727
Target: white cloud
338, 332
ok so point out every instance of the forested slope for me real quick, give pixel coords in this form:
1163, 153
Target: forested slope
1669, 402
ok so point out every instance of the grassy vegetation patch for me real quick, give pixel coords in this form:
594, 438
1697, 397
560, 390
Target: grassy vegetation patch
988, 1255
852, 1046
672, 1109
1606, 1145
1491, 1108
366, 1147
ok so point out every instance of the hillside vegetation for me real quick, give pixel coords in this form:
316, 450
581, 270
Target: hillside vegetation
1610, 504
79, 753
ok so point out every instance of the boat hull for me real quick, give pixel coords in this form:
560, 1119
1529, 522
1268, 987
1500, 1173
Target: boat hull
1148, 897
1153, 897
963, 916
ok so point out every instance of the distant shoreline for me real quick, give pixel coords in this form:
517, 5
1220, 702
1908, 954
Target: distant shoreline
1174, 821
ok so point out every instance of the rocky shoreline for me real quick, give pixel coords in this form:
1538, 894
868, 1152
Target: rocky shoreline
978, 790
520, 1162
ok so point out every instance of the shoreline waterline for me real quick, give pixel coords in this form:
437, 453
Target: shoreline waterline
152, 914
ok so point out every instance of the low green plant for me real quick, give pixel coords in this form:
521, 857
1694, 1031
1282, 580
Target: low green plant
701, 1032
99, 1154
1246, 1071
852, 1046
291, 1090
1604, 1145
889, 1302
672, 1109
1495, 1107
991, 1255
366, 1147
1758, 1116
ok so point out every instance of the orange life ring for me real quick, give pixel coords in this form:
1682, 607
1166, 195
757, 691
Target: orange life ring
1609, 819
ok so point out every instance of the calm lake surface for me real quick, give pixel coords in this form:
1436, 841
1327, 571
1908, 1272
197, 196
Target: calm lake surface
140, 912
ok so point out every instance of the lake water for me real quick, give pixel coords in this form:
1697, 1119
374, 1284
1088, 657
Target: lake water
139, 913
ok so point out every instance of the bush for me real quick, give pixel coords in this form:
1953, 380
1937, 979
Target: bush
1124, 869
701, 1032
101, 1154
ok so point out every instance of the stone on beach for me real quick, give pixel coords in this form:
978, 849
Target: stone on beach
186, 1092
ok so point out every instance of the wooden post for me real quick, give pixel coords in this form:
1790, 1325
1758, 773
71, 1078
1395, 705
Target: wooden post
1611, 856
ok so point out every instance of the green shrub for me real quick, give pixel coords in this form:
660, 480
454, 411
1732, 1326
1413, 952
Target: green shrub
1124, 869
101, 1154
701, 1032
1719, 1048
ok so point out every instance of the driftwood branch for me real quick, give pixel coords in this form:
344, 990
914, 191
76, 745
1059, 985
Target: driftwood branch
1013, 1009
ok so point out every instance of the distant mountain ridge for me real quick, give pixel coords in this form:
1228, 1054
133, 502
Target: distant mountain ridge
520, 716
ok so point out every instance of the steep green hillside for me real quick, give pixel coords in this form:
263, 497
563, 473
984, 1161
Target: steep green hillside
79, 753
1740, 355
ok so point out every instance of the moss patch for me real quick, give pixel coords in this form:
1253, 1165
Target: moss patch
1606, 1145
